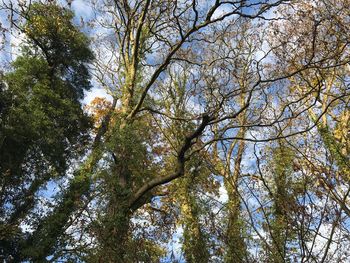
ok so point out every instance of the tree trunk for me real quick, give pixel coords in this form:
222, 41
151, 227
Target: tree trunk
235, 245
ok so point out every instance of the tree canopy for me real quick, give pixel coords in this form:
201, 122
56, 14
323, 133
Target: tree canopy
224, 134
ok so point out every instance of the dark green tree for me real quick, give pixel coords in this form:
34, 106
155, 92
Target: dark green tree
43, 126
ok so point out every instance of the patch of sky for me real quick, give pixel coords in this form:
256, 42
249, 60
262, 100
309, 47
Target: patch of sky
174, 248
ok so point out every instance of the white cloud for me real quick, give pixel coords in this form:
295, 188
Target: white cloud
82, 9
96, 92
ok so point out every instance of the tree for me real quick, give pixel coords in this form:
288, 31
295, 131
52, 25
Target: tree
43, 126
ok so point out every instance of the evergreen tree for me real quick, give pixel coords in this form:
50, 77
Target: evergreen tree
43, 126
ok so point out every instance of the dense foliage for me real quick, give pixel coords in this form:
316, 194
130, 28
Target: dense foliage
43, 126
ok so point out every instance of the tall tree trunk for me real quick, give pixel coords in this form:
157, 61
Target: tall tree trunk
115, 232
194, 245
235, 245
282, 163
